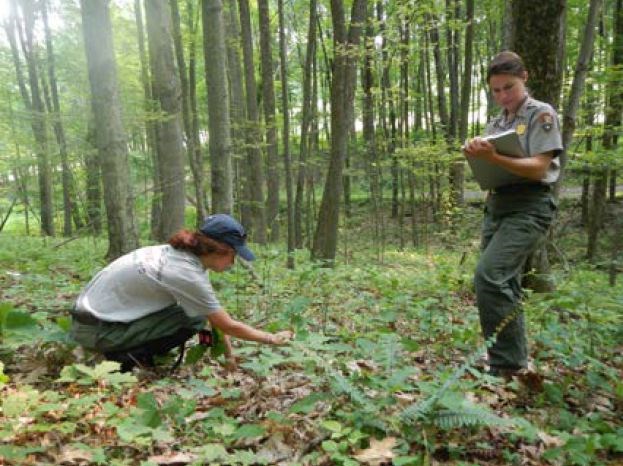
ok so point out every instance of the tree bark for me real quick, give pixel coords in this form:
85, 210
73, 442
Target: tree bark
196, 166
255, 173
342, 96
166, 91
237, 108
34, 104
305, 124
268, 100
218, 106
111, 140
285, 110
70, 210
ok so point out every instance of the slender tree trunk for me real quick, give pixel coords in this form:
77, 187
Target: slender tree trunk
237, 109
195, 165
305, 124
218, 106
93, 182
111, 140
34, 104
466, 88
285, 110
342, 96
150, 126
581, 69
70, 210
268, 100
255, 181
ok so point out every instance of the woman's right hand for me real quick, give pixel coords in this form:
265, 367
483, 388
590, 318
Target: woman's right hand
281, 338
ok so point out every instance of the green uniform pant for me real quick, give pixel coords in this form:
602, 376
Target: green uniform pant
105, 337
513, 227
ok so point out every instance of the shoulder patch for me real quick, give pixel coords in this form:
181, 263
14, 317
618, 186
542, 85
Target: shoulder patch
546, 119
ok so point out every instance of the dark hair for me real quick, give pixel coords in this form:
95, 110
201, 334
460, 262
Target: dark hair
198, 243
506, 62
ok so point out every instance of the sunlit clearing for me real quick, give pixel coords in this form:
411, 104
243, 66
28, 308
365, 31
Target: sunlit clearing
4, 10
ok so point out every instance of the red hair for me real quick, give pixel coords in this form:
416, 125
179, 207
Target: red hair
198, 243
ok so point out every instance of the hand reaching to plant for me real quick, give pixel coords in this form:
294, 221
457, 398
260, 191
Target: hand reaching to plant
281, 338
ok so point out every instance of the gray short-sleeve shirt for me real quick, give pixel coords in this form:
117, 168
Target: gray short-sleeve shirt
146, 281
538, 127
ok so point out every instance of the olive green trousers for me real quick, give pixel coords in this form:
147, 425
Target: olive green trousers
104, 337
513, 227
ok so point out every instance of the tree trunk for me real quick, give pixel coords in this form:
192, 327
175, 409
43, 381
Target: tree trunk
467, 83
70, 210
34, 104
237, 108
255, 179
581, 69
166, 91
196, 167
616, 99
268, 100
342, 96
305, 124
285, 110
111, 140
538, 37
150, 126
218, 106
93, 183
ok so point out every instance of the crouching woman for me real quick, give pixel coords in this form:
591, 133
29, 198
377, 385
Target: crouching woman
155, 298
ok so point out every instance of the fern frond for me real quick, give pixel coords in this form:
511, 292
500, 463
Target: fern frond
450, 419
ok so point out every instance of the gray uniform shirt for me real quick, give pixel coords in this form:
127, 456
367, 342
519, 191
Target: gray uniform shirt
538, 127
146, 281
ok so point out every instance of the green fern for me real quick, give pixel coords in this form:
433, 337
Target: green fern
473, 416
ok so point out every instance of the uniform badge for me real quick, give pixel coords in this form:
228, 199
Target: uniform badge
547, 121
520, 129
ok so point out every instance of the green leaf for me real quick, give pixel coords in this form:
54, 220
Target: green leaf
148, 408
307, 404
218, 345
194, 354
332, 426
249, 431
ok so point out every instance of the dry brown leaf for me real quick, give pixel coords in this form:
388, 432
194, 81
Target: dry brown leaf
550, 441
173, 459
379, 452
73, 456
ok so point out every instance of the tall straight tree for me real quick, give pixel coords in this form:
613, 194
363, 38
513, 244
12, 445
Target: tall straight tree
538, 37
268, 100
304, 142
69, 207
285, 110
150, 125
255, 173
345, 47
167, 92
110, 137
34, 104
196, 166
218, 106
236, 101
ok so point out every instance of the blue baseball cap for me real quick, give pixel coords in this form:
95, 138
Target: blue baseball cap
222, 227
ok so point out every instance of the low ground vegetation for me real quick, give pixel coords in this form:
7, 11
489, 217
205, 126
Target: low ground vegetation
386, 367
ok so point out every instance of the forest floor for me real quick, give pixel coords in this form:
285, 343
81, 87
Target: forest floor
387, 366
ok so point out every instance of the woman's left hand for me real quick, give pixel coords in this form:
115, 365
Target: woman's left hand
479, 148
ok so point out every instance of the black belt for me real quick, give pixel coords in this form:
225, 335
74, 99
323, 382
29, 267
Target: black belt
85, 317
522, 188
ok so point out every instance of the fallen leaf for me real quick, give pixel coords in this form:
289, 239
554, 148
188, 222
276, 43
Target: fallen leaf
71, 456
173, 459
379, 452
550, 441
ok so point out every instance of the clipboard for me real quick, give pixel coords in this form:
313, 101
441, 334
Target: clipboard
490, 176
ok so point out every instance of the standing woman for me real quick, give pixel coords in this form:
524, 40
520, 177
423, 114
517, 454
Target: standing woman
154, 299
517, 216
